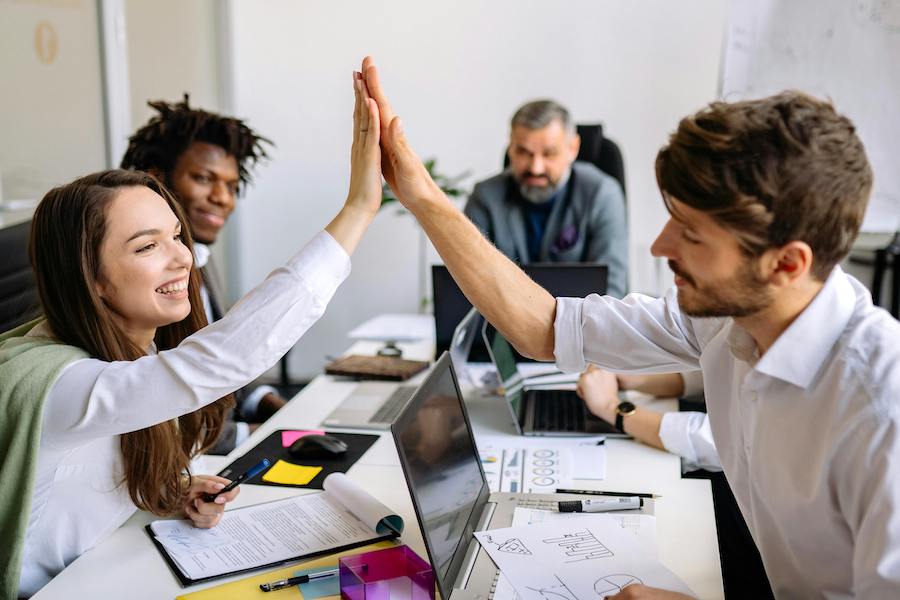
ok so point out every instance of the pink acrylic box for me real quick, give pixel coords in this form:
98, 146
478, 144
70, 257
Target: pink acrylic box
393, 573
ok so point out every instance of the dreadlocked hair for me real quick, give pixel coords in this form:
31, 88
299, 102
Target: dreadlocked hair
157, 145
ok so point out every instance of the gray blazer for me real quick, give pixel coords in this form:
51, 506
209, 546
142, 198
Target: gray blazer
587, 225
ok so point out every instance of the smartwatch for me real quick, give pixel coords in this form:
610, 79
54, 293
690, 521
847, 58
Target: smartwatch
624, 409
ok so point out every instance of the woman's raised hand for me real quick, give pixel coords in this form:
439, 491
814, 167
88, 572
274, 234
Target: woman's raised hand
364, 196
365, 153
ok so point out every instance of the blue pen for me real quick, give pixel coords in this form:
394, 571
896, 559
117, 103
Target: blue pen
259, 468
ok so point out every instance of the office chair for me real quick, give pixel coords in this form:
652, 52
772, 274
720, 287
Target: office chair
888, 258
598, 150
18, 294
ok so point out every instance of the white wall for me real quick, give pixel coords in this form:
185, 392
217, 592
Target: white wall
172, 49
455, 72
51, 103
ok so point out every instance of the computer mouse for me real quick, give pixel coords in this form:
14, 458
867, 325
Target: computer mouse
318, 446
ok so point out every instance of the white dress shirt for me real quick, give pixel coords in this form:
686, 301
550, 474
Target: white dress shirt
688, 434
77, 499
807, 434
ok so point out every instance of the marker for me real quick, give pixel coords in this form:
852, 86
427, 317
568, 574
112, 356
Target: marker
292, 581
259, 468
599, 493
593, 506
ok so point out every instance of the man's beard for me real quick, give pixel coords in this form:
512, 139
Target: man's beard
741, 295
538, 194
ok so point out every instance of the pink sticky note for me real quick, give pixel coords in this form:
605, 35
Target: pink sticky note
289, 437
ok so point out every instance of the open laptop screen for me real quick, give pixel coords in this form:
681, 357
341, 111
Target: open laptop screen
443, 470
504, 358
466, 333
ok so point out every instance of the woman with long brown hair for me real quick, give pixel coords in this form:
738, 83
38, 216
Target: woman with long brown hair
107, 398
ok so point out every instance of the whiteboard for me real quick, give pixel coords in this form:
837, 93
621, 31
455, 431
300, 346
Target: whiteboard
845, 50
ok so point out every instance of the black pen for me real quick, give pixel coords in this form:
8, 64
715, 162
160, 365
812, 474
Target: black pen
599, 493
292, 581
259, 468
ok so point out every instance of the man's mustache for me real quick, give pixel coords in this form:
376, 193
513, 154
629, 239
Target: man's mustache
528, 175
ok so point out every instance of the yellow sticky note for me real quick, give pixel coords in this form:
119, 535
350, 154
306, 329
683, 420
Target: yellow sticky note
285, 472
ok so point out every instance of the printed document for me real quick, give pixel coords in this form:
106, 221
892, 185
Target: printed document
265, 534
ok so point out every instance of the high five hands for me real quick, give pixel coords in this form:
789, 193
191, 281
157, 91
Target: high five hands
401, 168
413, 186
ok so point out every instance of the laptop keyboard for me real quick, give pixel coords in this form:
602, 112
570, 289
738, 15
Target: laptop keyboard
558, 410
393, 405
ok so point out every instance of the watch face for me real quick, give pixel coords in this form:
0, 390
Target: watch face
626, 408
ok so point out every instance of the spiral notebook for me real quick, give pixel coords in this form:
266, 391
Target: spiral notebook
341, 517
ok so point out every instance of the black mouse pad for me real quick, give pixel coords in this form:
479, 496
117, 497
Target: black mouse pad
271, 448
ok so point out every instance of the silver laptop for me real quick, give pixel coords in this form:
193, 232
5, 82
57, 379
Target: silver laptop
449, 491
540, 411
375, 404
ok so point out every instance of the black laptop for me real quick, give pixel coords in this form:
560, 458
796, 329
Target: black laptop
571, 280
448, 488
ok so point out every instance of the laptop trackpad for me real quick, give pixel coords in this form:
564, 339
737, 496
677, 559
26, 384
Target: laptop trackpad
368, 396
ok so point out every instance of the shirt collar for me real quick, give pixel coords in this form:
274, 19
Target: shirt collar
800, 351
201, 255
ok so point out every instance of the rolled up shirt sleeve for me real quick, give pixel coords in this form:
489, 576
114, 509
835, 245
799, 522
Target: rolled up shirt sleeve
638, 334
688, 435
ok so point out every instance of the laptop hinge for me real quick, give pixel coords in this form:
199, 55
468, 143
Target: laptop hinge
465, 570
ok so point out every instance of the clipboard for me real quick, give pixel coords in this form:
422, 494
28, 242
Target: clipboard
186, 581
360, 517
248, 588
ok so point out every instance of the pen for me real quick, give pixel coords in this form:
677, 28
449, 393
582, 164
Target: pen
599, 493
292, 581
259, 468
606, 505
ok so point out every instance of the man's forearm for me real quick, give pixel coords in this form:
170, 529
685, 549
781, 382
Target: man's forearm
643, 426
518, 307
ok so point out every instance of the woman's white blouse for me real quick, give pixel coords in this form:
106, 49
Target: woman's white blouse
78, 499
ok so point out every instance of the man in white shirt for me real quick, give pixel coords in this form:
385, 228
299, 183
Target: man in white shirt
801, 372
685, 432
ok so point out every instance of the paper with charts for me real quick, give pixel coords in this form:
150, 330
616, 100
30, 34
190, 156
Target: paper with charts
528, 470
579, 559
641, 526
540, 465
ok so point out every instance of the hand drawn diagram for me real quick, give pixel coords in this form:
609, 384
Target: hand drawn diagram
613, 584
608, 585
580, 546
510, 546
558, 590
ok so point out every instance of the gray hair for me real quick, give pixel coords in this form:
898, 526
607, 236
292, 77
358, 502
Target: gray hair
537, 114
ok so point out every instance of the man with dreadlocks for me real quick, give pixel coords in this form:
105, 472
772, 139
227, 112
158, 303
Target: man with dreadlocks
205, 160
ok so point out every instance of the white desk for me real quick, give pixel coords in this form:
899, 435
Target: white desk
127, 563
